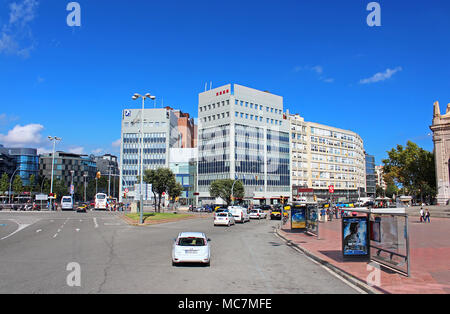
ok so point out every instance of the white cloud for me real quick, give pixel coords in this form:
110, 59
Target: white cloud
317, 69
77, 150
116, 143
21, 136
381, 76
17, 29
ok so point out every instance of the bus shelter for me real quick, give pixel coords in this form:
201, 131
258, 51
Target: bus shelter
302, 217
380, 235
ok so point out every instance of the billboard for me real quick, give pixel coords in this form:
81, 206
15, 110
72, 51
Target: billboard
355, 237
298, 217
312, 221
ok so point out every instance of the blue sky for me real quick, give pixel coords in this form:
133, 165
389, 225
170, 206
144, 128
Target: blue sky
320, 55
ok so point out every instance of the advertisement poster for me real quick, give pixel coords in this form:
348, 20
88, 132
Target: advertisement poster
312, 221
298, 217
389, 232
355, 236
375, 230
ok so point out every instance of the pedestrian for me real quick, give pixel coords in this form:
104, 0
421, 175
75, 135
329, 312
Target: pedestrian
422, 215
336, 212
427, 216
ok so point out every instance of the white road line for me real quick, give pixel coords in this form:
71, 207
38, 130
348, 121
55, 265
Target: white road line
21, 227
95, 222
77, 230
39, 230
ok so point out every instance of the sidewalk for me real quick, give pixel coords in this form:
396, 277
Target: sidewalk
429, 254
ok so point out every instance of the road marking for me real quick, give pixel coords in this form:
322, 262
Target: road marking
95, 222
39, 230
21, 227
55, 235
77, 230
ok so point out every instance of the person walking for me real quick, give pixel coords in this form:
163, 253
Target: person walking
427, 216
422, 215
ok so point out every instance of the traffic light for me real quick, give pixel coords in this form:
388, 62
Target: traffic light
167, 114
98, 175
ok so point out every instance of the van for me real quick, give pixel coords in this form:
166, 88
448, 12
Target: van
67, 203
239, 213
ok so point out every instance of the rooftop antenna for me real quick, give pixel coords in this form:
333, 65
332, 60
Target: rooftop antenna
206, 86
210, 85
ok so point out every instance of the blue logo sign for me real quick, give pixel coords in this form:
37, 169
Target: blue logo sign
127, 113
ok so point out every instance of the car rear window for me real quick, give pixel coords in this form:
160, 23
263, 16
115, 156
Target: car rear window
191, 242
222, 214
67, 200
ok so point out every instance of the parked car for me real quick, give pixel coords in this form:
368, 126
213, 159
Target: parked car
224, 218
191, 247
239, 213
258, 214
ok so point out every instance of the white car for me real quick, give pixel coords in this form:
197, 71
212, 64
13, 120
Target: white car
191, 247
258, 214
239, 213
67, 203
224, 219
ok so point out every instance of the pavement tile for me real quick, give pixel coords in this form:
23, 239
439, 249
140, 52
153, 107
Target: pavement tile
429, 253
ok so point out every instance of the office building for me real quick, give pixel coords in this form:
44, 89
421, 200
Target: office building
379, 177
371, 180
243, 135
183, 165
26, 161
64, 164
324, 156
107, 164
160, 133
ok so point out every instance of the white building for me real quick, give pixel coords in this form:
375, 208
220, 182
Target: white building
160, 135
243, 135
324, 156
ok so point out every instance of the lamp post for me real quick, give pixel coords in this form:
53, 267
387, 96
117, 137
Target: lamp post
85, 176
10, 183
135, 97
71, 183
53, 139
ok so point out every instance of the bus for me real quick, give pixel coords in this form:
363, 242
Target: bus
100, 201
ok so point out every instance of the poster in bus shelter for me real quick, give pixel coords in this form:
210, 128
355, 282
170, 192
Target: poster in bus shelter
312, 222
355, 238
298, 218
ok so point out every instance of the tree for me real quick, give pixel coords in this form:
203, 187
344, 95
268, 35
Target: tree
32, 185
161, 180
222, 188
175, 190
17, 185
4, 183
411, 169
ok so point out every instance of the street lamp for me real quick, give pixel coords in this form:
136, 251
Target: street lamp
10, 183
135, 97
53, 139
85, 175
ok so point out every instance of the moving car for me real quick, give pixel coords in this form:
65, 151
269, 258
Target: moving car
239, 213
67, 203
224, 218
258, 214
275, 213
191, 247
82, 208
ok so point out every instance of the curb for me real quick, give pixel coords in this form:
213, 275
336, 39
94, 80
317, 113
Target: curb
349, 277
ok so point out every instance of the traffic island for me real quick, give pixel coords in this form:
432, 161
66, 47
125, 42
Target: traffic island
158, 218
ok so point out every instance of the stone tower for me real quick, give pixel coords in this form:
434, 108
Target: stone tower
441, 139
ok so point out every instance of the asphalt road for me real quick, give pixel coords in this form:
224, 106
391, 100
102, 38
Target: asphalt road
36, 249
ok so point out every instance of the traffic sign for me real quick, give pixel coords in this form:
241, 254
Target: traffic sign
126, 190
331, 188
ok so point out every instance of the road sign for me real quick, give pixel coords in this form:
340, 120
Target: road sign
72, 189
126, 190
331, 188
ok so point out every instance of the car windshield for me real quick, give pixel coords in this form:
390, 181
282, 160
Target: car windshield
191, 241
101, 196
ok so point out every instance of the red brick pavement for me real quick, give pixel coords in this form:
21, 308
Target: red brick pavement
429, 256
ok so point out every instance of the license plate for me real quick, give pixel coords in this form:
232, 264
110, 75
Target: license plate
190, 252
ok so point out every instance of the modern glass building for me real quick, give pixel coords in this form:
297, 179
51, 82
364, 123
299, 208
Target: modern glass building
243, 134
26, 160
371, 177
